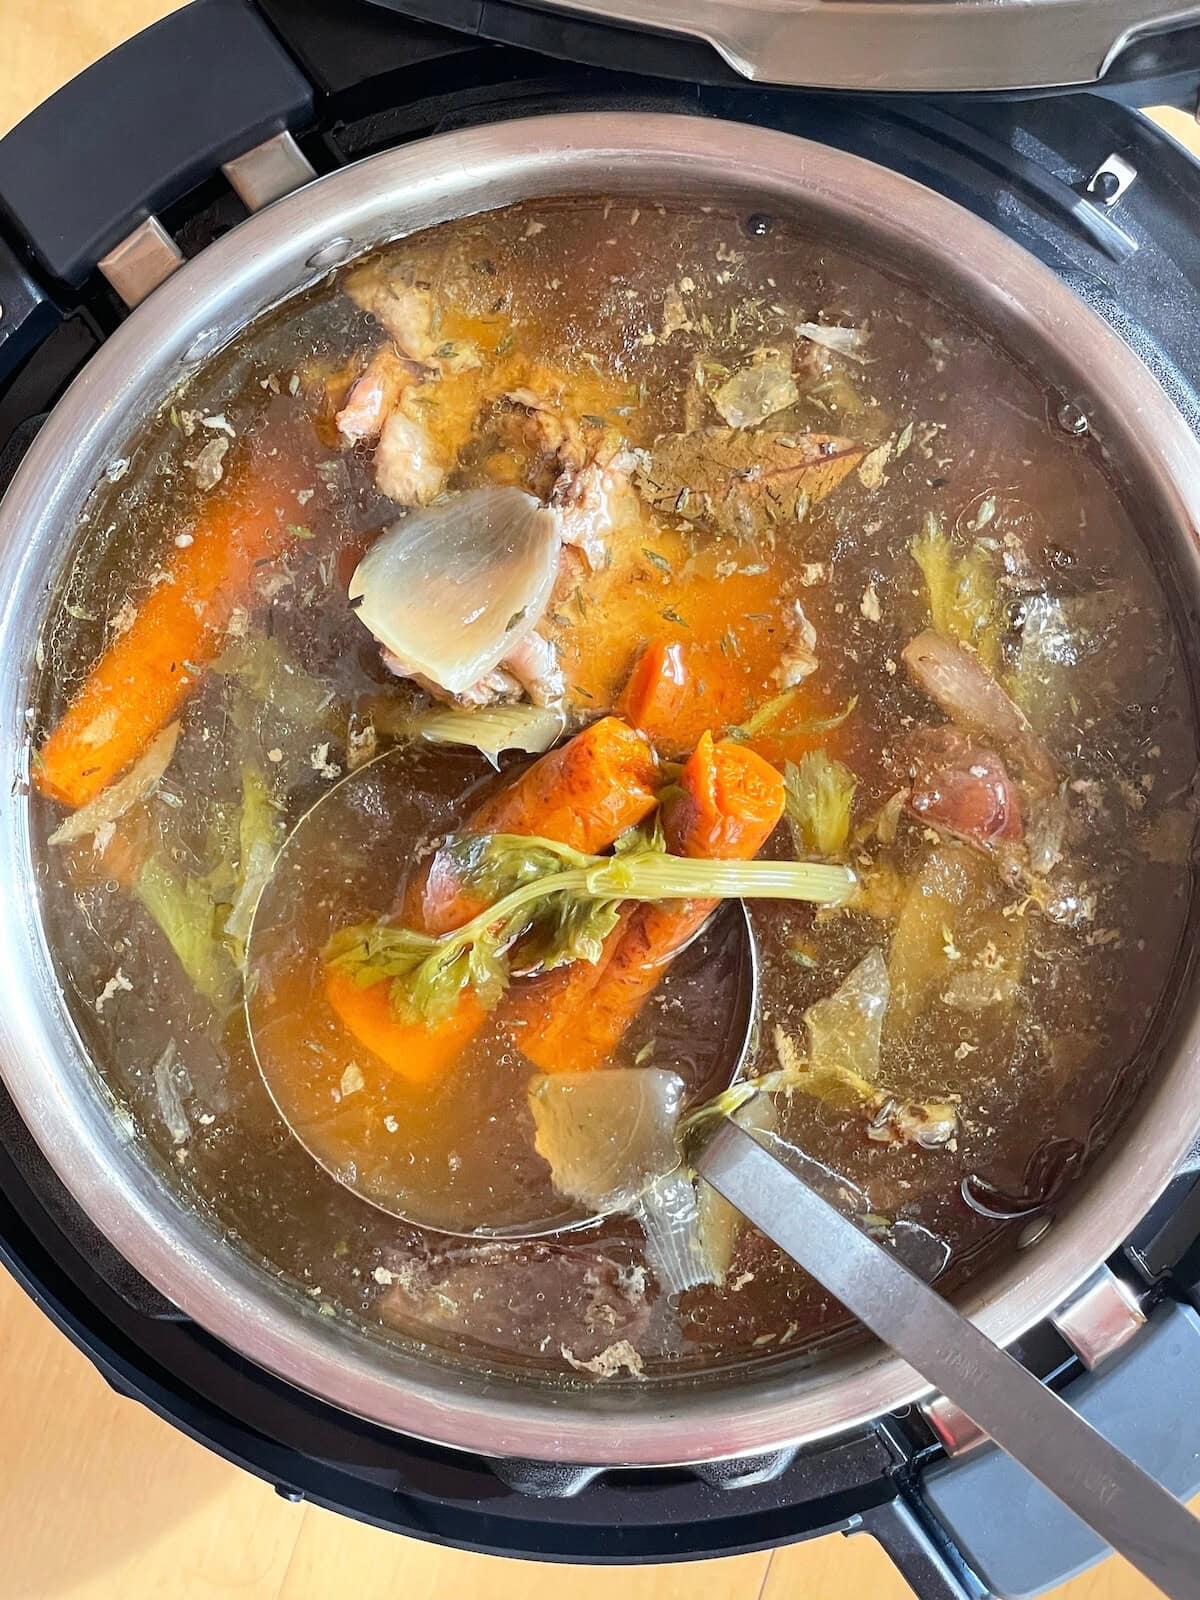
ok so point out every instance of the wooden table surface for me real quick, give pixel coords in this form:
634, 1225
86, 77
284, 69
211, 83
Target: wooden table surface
99, 1500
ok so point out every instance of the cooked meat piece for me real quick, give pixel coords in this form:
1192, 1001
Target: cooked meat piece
373, 396
532, 669
534, 663
407, 468
799, 660
964, 788
928, 1123
577, 477
498, 687
406, 314
549, 441
583, 498
494, 688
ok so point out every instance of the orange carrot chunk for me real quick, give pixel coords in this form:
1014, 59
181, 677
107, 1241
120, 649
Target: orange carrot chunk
657, 690
729, 803
584, 794
420, 1054
146, 673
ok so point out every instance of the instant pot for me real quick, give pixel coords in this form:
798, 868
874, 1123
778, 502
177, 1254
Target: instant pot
1024, 115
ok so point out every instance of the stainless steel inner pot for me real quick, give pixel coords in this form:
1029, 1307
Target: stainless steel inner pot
96, 1152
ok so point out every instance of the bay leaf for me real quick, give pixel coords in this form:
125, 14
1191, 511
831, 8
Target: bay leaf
744, 483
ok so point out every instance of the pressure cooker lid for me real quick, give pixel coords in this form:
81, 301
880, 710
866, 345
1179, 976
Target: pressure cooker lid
872, 45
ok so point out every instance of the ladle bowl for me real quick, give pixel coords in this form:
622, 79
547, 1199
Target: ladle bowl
371, 1127
351, 850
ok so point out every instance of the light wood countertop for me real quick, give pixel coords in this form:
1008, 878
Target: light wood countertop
100, 1500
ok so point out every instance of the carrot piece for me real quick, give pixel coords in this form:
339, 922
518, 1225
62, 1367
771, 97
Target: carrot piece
656, 691
420, 1054
729, 803
584, 794
143, 677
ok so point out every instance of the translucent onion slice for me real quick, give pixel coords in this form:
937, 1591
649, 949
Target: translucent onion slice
171, 1082
845, 1030
669, 1213
843, 341
607, 1135
757, 392
112, 803
450, 589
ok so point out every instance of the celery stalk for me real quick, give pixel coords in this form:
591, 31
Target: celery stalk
428, 974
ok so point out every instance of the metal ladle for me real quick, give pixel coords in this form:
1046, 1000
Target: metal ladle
1102, 1486
781, 1194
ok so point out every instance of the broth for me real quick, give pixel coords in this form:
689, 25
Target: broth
1025, 964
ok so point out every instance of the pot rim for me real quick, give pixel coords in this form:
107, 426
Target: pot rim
92, 1145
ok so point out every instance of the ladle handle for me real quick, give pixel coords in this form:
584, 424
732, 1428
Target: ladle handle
1103, 1487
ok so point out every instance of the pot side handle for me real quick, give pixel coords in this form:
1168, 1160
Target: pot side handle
142, 127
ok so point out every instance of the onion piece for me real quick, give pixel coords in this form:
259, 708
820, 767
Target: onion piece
845, 1030
111, 803
955, 679
607, 1135
494, 729
449, 590
171, 1083
757, 392
669, 1212
842, 341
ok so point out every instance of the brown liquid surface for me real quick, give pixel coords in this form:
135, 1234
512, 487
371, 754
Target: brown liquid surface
581, 292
